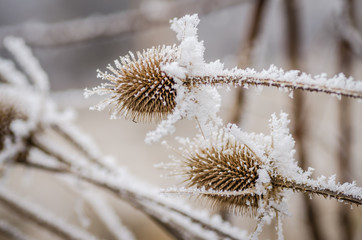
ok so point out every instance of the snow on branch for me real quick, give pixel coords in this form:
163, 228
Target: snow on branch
43, 218
108, 216
171, 82
12, 232
28, 62
151, 13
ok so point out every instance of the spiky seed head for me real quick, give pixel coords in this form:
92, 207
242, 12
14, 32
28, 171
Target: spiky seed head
7, 115
228, 167
139, 89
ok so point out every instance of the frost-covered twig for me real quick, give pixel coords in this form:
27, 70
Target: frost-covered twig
74, 136
338, 85
128, 189
108, 215
23, 55
152, 84
335, 191
11, 232
150, 14
43, 218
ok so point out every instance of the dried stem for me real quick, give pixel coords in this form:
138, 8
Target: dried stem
255, 24
344, 117
79, 145
239, 80
325, 192
41, 218
299, 113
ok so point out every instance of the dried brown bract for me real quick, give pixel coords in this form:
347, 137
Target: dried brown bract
230, 172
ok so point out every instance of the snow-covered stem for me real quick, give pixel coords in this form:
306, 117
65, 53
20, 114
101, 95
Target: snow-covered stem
108, 216
301, 81
25, 58
138, 199
11, 232
320, 190
42, 218
82, 146
133, 20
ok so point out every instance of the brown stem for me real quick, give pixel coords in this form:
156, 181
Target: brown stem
344, 153
245, 55
241, 80
299, 113
325, 192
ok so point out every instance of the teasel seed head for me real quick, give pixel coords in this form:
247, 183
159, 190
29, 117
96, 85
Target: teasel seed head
8, 114
140, 90
230, 168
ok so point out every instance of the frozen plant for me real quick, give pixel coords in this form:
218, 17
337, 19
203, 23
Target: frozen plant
37, 135
243, 172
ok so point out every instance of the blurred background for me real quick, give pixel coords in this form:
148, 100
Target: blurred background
72, 39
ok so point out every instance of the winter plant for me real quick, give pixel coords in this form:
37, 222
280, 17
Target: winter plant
245, 173
241, 172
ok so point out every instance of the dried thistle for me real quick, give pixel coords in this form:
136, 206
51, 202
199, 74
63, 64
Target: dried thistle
7, 115
231, 167
139, 88
229, 174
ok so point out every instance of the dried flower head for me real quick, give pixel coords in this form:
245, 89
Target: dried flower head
229, 172
7, 115
139, 89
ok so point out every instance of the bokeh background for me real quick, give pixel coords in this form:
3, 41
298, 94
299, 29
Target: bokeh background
320, 46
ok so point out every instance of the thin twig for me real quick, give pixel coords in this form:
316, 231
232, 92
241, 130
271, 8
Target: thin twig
42, 218
325, 192
347, 30
344, 153
244, 80
245, 55
69, 136
299, 111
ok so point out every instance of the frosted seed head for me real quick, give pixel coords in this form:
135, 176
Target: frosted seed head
139, 90
231, 168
